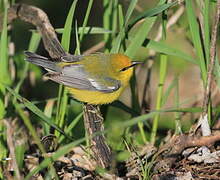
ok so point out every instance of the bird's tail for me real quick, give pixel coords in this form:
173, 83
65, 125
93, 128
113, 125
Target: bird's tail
42, 61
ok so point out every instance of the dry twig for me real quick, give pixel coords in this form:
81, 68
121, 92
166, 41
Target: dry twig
203, 121
171, 150
212, 59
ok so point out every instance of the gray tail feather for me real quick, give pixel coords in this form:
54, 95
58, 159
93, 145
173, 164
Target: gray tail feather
41, 61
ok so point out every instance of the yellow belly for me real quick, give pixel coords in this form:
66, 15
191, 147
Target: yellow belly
95, 97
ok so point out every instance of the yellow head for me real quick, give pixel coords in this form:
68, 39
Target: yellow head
123, 66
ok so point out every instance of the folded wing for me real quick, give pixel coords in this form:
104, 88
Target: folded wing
75, 76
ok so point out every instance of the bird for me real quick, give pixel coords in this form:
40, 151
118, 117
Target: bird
97, 78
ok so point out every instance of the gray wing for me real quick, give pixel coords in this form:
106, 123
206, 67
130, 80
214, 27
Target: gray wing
75, 76
42, 61
50, 64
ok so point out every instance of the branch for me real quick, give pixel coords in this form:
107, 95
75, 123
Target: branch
93, 121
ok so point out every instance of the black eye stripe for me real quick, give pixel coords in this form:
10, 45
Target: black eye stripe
126, 68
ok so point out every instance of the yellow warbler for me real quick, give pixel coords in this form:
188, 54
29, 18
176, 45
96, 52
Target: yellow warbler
95, 79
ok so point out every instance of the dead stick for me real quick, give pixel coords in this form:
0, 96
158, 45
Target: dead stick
92, 117
203, 121
212, 60
178, 143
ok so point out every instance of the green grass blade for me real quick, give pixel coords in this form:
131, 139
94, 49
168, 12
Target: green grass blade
107, 5
77, 51
34, 42
62, 109
184, 110
86, 19
33, 45
217, 71
4, 77
206, 29
168, 91
117, 43
152, 114
87, 30
62, 94
59, 102
163, 69
166, 49
4, 72
130, 11
68, 26
152, 12
120, 17
2, 110
20, 154
114, 18
138, 119
140, 37
35, 110
194, 29
48, 112
71, 126
162, 76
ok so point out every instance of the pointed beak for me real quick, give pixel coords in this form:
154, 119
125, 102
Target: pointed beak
134, 63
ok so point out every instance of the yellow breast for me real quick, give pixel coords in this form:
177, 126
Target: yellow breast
95, 97
104, 66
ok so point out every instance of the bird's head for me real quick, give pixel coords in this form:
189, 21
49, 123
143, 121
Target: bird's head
123, 66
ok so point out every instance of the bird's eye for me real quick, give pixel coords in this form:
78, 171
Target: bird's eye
124, 69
